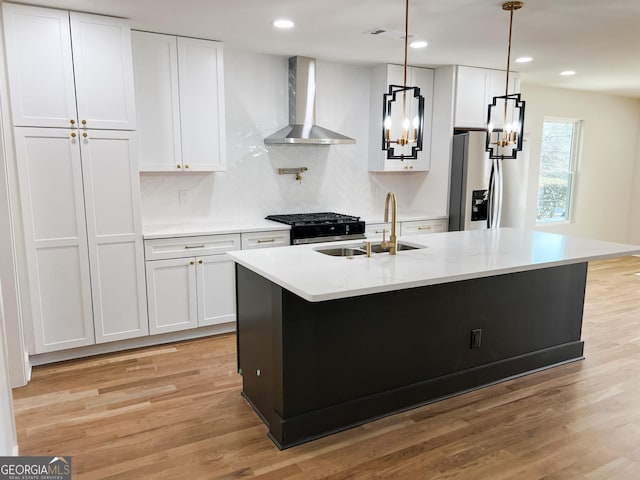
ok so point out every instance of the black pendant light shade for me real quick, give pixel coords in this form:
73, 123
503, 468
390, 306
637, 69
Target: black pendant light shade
505, 118
403, 124
504, 137
403, 114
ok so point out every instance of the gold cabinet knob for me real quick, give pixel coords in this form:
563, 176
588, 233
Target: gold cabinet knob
73, 134
72, 121
192, 262
85, 134
84, 122
178, 166
186, 166
200, 262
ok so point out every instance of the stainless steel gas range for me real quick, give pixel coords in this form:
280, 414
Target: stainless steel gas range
321, 227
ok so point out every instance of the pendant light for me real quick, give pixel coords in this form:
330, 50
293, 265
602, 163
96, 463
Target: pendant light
403, 113
505, 119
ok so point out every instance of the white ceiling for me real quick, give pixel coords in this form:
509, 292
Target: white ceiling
599, 39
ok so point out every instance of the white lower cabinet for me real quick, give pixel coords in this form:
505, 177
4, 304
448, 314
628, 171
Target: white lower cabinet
171, 295
83, 236
216, 287
415, 227
190, 282
423, 226
375, 230
269, 239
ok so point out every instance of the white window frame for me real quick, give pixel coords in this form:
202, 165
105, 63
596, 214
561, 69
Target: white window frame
576, 155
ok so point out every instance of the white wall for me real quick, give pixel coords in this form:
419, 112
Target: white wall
12, 255
256, 106
634, 214
604, 183
8, 438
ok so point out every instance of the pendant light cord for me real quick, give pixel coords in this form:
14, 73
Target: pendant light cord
506, 88
406, 38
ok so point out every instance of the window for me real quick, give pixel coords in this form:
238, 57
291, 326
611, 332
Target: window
558, 160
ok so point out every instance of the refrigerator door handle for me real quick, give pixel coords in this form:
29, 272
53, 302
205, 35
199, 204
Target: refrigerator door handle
494, 208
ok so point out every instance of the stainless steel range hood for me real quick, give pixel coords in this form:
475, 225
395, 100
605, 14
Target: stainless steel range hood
302, 110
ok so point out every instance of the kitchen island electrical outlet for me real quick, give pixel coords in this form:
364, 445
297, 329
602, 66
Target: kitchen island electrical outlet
183, 197
476, 337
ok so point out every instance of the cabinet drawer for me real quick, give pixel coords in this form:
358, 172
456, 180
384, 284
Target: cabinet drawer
178, 247
374, 230
424, 226
274, 238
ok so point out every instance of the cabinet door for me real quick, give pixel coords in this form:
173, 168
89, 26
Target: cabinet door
201, 79
114, 228
171, 295
40, 67
216, 290
496, 83
103, 69
155, 64
50, 179
423, 78
471, 97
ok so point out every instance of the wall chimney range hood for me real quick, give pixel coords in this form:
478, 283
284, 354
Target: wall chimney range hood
302, 129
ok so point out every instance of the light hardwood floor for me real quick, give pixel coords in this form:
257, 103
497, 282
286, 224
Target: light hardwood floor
175, 412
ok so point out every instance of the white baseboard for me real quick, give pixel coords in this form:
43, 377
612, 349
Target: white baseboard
62, 355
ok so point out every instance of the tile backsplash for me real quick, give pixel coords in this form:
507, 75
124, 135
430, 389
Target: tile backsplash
337, 178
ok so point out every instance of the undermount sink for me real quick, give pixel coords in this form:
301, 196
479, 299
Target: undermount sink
354, 250
377, 248
343, 251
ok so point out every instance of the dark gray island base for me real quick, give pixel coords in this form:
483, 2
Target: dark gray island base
314, 368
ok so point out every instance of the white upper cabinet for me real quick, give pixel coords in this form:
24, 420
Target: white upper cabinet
103, 68
44, 48
40, 66
155, 59
202, 104
180, 99
382, 77
475, 89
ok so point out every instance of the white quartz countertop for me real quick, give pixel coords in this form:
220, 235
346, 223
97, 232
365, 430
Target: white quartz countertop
447, 257
211, 228
254, 225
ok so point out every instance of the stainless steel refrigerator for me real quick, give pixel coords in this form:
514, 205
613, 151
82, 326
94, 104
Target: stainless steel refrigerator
481, 199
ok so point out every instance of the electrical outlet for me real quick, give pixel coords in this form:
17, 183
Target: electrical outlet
476, 338
183, 197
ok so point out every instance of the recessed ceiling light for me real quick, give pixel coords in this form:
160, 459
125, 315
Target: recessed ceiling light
567, 73
282, 23
418, 44
523, 59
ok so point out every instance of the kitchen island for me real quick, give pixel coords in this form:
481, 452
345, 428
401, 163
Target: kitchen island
328, 342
